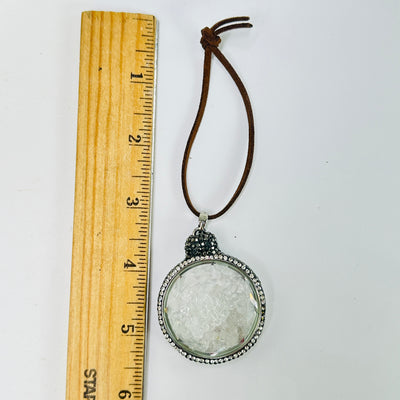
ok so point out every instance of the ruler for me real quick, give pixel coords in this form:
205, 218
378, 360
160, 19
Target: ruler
112, 214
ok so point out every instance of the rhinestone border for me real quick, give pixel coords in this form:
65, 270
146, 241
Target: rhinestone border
236, 264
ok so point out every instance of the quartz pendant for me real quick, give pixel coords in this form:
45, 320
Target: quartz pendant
211, 306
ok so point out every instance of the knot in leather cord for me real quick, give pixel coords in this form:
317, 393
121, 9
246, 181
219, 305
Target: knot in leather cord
210, 40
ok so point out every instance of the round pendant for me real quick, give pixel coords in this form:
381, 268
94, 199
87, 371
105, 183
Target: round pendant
211, 306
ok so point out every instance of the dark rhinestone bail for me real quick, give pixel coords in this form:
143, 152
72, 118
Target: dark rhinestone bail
201, 243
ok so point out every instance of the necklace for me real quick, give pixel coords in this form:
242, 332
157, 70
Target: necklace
211, 306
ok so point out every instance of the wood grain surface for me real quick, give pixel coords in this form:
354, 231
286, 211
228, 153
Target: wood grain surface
111, 238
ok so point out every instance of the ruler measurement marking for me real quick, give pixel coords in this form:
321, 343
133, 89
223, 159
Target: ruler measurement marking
129, 334
140, 19
106, 41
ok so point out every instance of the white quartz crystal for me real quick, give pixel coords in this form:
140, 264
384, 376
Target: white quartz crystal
211, 308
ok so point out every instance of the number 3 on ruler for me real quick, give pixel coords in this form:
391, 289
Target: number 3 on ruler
132, 202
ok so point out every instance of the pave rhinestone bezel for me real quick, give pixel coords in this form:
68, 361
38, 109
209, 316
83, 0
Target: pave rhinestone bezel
241, 268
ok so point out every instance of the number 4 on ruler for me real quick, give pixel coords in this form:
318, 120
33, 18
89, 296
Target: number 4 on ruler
129, 264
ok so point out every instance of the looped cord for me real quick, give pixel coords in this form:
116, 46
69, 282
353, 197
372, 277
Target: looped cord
210, 40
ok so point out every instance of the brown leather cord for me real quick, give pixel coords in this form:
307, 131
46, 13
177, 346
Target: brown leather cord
210, 41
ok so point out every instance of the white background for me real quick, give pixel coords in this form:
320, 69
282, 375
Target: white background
319, 219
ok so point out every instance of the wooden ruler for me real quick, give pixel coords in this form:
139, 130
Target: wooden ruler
110, 263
